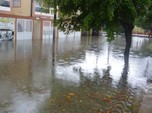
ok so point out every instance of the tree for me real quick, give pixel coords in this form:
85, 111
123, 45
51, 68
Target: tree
102, 14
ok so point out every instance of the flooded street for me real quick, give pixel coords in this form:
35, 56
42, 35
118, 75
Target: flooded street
88, 76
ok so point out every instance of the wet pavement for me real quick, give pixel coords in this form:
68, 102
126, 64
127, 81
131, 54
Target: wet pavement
88, 76
146, 105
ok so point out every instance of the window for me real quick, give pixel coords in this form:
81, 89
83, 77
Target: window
16, 3
5, 3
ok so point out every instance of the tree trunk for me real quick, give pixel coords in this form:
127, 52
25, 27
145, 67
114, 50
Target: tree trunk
128, 27
95, 32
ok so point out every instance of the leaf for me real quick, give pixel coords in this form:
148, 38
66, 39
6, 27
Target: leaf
52, 100
109, 111
110, 97
71, 94
106, 100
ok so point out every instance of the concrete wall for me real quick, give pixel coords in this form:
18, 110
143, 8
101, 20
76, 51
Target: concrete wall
24, 9
36, 26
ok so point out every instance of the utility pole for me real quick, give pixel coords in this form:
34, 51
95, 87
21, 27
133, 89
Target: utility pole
54, 21
54, 34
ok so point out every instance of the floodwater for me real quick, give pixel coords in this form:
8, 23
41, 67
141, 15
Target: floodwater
88, 76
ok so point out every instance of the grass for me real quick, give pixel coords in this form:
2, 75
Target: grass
138, 30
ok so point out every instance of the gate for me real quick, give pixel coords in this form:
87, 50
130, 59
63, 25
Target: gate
24, 29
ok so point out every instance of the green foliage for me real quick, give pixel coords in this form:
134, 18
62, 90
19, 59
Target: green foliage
6, 19
145, 21
100, 14
44, 3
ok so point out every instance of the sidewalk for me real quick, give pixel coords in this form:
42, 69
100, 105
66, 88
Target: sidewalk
146, 105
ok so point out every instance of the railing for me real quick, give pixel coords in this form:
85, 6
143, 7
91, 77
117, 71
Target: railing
42, 10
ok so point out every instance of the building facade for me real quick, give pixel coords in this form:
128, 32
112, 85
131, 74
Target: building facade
29, 17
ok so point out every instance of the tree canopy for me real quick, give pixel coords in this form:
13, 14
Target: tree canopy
145, 21
107, 14
102, 14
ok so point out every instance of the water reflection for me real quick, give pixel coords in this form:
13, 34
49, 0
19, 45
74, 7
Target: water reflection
89, 75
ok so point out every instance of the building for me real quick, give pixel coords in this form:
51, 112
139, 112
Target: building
29, 17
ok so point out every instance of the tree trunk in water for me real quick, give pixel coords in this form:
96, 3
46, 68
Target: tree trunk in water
95, 32
128, 27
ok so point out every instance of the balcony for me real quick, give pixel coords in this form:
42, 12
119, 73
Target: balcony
41, 10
